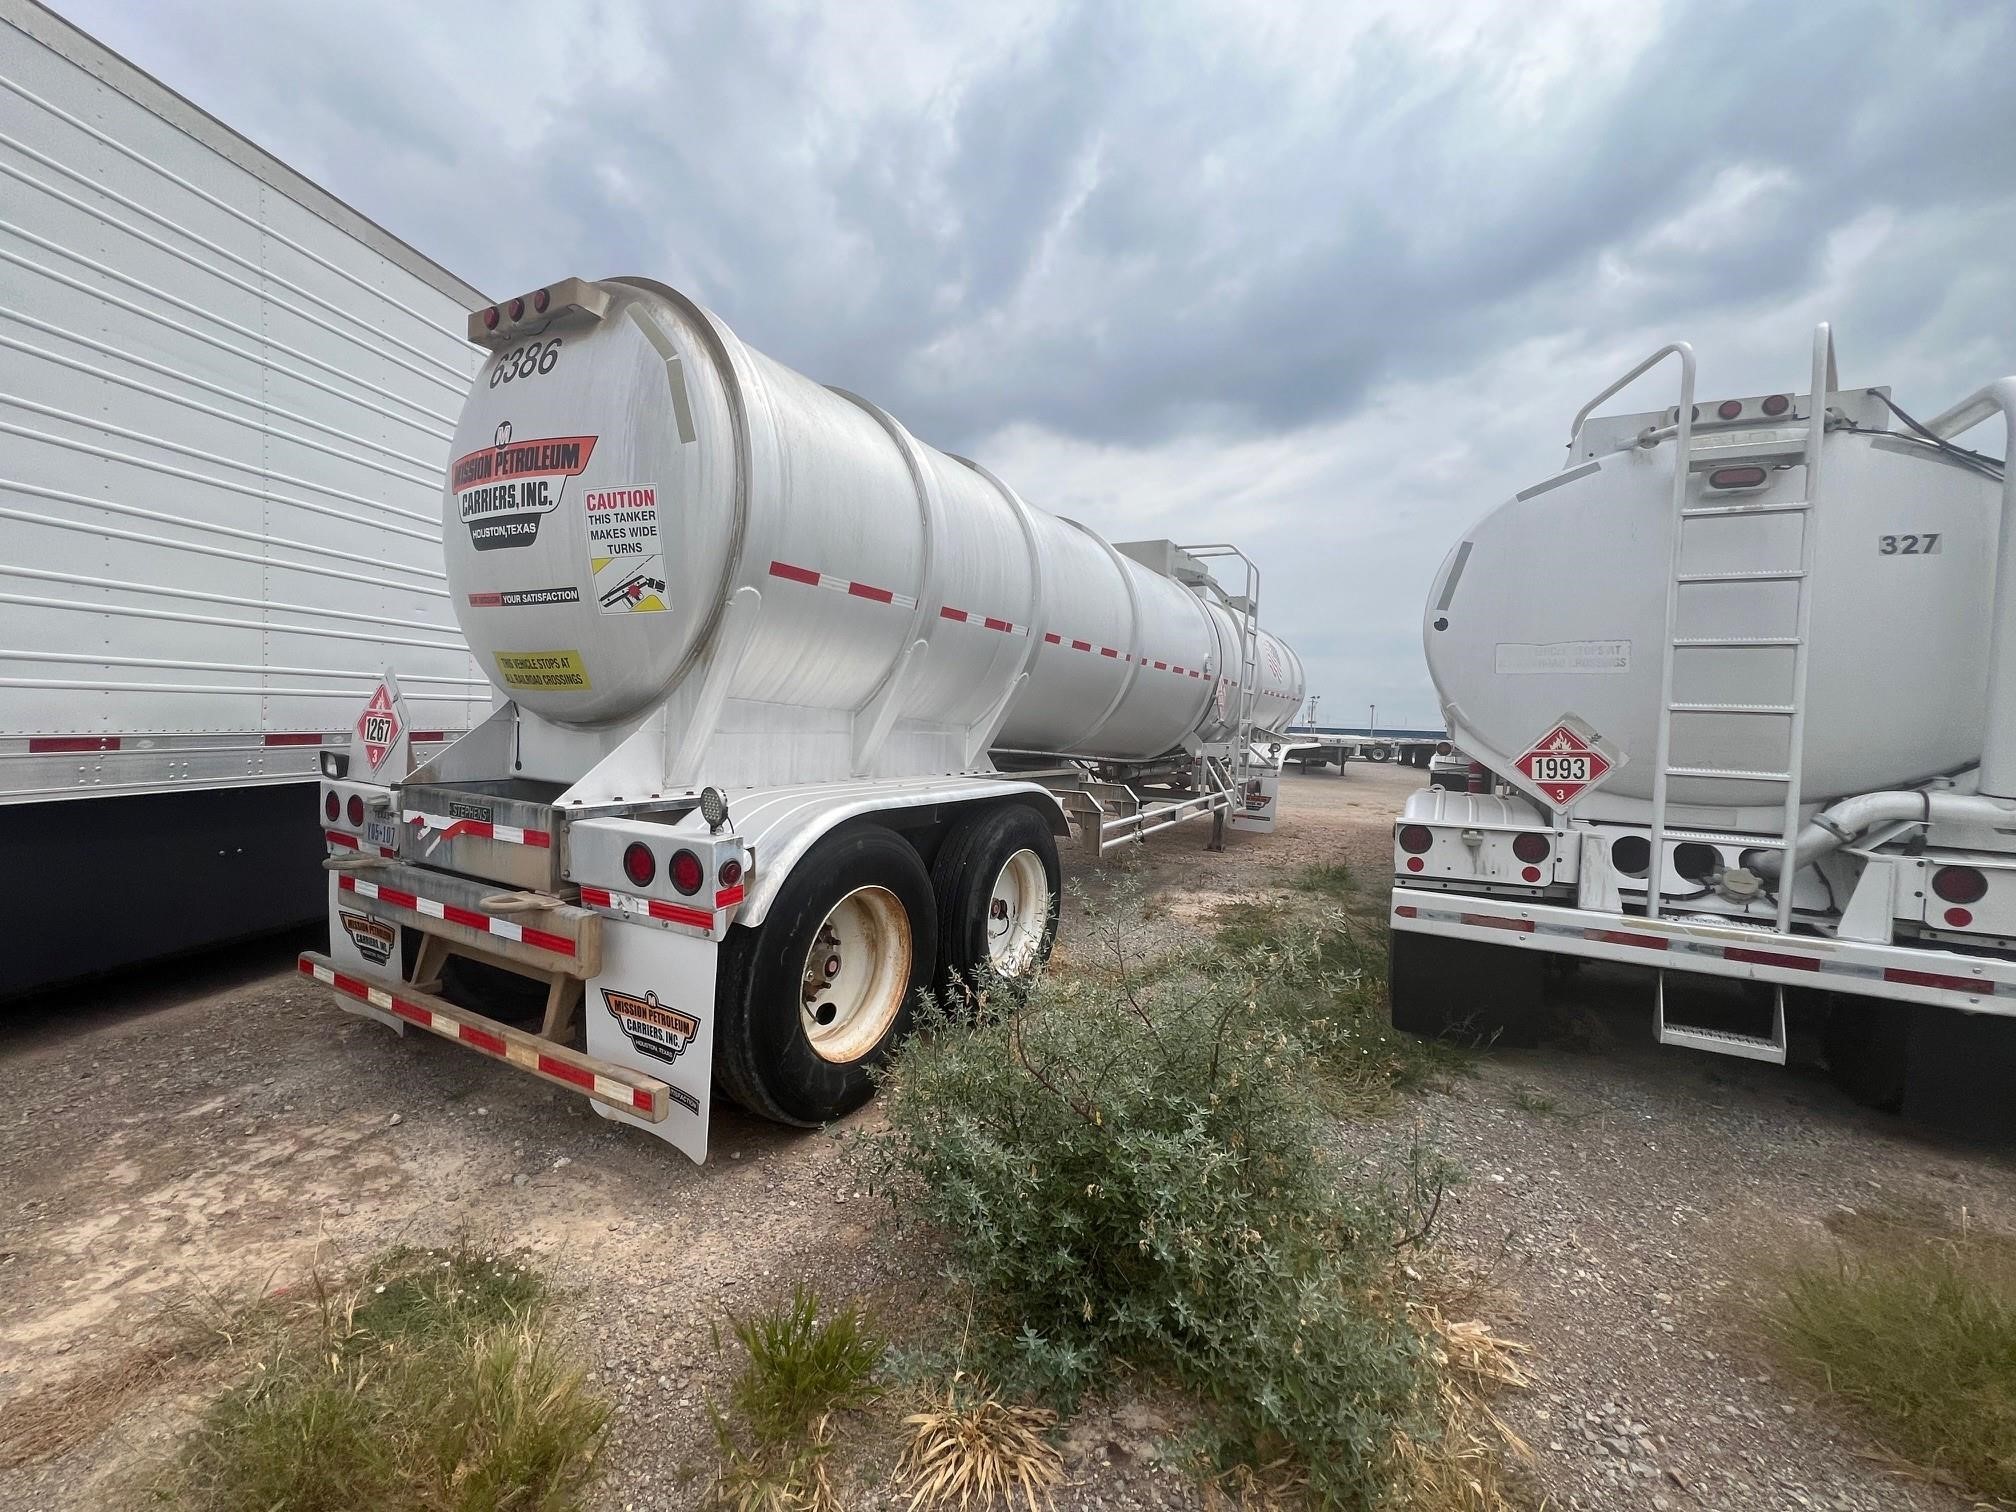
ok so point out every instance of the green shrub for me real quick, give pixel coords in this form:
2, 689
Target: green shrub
1135, 1173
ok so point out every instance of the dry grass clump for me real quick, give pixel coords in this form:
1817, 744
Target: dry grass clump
429, 1385
1913, 1325
973, 1449
1467, 1467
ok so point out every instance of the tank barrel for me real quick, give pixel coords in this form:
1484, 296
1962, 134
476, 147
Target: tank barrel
1998, 748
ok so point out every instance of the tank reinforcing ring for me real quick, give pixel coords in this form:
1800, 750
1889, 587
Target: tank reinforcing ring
856, 973
1018, 907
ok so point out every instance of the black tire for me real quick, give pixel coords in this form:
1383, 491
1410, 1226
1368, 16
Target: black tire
1379, 753
962, 880
1867, 1044
763, 1056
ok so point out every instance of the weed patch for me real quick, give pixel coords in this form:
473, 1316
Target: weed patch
1131, 1171
430, 1384
1915, 1328
799, 1369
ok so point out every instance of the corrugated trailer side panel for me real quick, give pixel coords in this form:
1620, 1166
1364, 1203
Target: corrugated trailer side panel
225, 420
225, 407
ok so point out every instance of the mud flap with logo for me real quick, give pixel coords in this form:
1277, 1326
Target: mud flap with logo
1256, 805
363, 947
652, 1009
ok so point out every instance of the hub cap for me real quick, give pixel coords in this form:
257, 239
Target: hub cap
1018, 908
855, 975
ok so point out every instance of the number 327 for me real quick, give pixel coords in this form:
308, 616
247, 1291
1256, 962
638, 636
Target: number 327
1908, 545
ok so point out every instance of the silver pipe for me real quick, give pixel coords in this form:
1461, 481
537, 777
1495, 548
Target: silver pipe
1832, 828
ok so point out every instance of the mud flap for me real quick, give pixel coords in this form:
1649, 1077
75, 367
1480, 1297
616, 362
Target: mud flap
1958, 1072
365, 947
652, 1009
1464, 990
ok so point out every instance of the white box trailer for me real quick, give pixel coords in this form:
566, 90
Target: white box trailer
225, 406
1747, 671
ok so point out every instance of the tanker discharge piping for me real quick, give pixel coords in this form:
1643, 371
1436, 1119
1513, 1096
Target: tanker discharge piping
1829, 830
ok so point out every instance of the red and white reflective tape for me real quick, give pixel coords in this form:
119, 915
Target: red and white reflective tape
1640, 936
351, 842
689, 914
476, 1038
482, 829
984, 621
847, 586
468, 918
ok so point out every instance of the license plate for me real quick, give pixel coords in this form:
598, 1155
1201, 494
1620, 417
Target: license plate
382, 832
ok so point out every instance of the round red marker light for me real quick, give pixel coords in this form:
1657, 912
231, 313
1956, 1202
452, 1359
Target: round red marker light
518, 309
1729, 409
490, 318
541, 300
1531, 874
730, 873
1777, 404
1959, 884
1416, 838
639, 865
356, 812
1959, 918
1415, 863
333, 807
1531, 847
686, 872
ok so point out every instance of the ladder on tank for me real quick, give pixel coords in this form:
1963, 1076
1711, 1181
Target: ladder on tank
1245, 612
1730, 564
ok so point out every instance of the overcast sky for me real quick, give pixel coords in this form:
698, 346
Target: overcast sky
1327, 281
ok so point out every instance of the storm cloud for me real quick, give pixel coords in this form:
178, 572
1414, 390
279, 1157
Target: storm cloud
1326, 280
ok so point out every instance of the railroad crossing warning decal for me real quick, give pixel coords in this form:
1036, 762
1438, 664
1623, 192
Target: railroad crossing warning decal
1566, 762
379, 727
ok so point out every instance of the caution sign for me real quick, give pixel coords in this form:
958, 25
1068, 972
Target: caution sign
378, 726
1566, 762
623, 553
543, 671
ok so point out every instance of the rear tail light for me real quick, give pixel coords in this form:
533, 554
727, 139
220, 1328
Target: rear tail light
518, 309
730, 873
686, 872
356, 811
541, 300
1959, 884
639, 865
1777, 404
1729, 409
1737, 477
1443, 748
332, 806
1416, 838
490, 318
1531, 847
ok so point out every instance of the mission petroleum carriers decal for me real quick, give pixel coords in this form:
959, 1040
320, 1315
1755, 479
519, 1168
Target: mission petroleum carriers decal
505, 489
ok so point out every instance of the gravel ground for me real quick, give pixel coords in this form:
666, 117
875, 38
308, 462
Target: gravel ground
217, 1133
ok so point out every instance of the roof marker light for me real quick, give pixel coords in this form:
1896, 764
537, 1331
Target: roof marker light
490, 318
541, 300
1777, 404
1729, 409
518, 308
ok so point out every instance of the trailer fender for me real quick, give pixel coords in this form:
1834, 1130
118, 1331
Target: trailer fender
780, 825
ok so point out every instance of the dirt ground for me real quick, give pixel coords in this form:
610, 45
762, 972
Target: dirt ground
218, 1128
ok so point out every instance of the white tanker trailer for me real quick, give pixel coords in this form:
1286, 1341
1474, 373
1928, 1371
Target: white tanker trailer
793, 708
1744, 669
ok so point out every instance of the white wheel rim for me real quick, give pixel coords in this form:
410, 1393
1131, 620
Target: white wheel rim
855, 975
1018, 908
